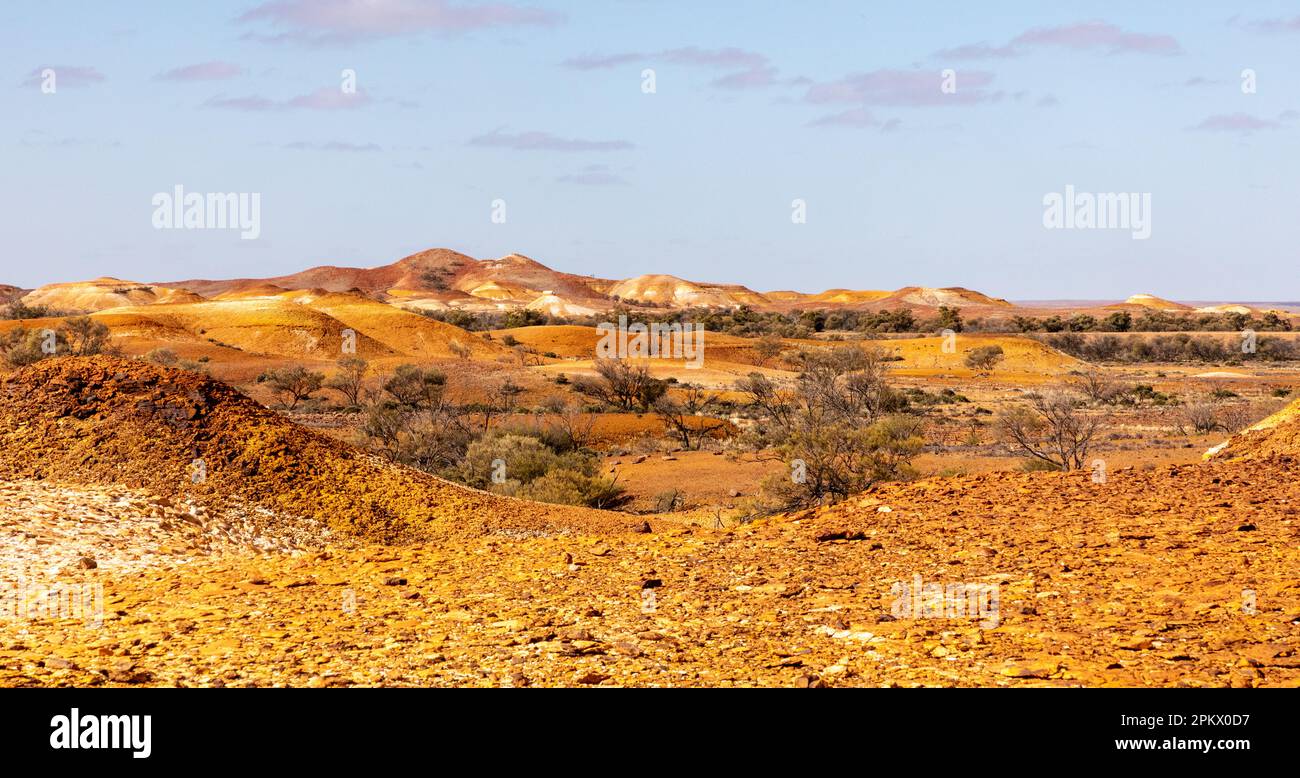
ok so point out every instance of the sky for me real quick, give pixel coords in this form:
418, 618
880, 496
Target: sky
800, 146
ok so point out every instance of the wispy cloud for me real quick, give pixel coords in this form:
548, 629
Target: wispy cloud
1081, 36
858, 118
44, 139
913, 88
1270, 26
66, 75
203, 71
729, 57
350, 21
323, 99
602, 61
977, 51
545, 141
594, 175
752, 70
755, 78
334, 145
1237, 122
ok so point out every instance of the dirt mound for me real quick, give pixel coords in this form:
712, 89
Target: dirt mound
435, 274
1020, 355
405, 333
848, 296
555, 305
1158, 303
912, 297
951, 295
671, 290
1276, 436
302, 324
101, 420
9, 294
105, 293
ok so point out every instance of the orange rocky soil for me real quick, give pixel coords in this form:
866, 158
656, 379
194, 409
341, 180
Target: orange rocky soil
1183, 575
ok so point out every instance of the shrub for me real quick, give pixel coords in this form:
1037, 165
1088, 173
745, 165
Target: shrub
984, 357
162, 356
349, 379
416, 387
1050, 428
294, 384
85, 336
524, 466
21, 346
833, 426
669, 501
621, 385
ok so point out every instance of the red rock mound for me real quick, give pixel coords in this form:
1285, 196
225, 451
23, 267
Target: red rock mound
103, 420
1277, 436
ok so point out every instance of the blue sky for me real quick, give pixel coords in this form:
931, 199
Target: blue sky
756, 104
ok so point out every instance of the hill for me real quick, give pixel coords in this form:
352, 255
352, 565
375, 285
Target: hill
9, 294
102, 420
1276, 436
104, 294
298, 324
679, 293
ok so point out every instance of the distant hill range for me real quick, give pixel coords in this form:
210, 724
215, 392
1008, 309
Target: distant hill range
444, 280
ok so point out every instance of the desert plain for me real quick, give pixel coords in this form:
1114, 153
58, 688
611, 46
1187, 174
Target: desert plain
429, 473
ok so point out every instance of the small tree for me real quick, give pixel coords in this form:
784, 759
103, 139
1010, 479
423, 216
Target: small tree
349, 379
682, 412
85, 336
1051, 429
1099, 387
768, 347
295, 383
949, 319
416, 387
833, 426
570, 427
621, 385
1201, 417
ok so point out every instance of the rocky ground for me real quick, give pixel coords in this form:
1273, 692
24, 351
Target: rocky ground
1182, 575
1186, 576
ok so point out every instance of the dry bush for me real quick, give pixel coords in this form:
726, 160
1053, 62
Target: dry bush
416, 387
570, 422
621, 385
85, 336
678, 409
162, 356
1101, 388
349, 379
1200, 416
293, 384
832, 426
523, 466
1051, 428
985, 357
